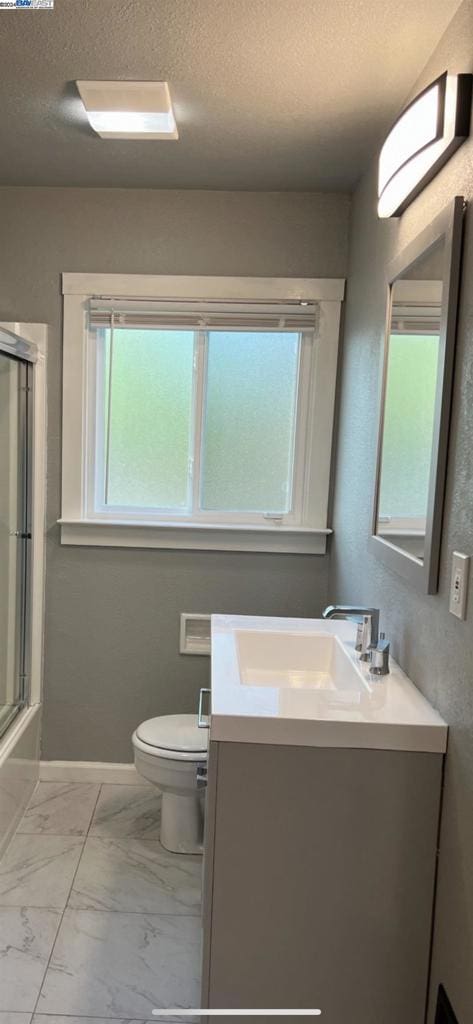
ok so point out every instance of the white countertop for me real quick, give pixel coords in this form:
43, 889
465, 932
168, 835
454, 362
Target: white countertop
341, 707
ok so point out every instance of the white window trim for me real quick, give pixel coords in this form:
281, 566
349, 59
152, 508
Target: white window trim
76, 525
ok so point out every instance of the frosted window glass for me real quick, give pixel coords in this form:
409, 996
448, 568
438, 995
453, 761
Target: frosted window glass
150, 417
408, 425
249, 421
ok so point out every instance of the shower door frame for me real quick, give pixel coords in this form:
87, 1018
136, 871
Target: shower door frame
24, 530
17, 577
27, 344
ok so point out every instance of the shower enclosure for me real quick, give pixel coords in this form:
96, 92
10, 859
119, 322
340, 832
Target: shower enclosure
16, 396
23, 356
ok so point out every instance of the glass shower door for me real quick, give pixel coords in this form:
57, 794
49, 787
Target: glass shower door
14, 536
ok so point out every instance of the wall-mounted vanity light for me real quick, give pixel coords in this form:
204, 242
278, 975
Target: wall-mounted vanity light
422, 140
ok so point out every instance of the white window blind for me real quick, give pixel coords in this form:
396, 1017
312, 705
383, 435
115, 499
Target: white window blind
415, 318
197, 315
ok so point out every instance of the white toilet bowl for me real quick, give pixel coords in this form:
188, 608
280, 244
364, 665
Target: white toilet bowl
168, 752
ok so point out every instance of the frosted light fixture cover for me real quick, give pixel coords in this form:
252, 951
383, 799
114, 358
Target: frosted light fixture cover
416, 128
422, 140
129, 110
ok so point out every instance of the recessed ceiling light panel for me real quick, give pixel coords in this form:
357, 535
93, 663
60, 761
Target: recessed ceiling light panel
129, 110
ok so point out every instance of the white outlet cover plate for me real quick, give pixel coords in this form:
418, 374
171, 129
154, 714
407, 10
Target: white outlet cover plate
459, 584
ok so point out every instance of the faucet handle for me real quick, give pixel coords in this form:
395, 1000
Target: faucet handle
380, 657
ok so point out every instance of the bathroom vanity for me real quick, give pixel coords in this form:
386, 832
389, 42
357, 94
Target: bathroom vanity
323, 803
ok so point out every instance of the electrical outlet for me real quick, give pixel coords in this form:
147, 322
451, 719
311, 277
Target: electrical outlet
459, 584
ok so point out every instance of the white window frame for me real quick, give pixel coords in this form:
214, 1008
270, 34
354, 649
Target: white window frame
202, 517
80, 524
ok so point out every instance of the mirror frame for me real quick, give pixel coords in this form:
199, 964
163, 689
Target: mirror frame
423, 575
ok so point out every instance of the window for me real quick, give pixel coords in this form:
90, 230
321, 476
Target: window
196, 422
204, 420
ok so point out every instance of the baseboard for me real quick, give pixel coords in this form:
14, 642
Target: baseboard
90, 771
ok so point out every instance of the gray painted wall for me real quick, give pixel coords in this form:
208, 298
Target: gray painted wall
112, 616
434, 648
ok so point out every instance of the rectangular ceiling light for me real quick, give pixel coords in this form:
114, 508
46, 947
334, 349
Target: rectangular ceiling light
129, 110
422, 140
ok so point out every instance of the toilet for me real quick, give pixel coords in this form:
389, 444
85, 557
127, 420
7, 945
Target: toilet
170, 751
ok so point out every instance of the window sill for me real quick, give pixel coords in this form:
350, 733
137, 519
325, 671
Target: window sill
125, 534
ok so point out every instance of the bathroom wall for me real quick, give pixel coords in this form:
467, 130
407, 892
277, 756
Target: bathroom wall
434, 648
112, 615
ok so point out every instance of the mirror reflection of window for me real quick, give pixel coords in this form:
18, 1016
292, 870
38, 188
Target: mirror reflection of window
409, 404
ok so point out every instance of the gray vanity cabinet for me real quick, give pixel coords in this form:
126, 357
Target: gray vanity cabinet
319, 880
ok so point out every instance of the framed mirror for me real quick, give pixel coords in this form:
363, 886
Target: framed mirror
423, 284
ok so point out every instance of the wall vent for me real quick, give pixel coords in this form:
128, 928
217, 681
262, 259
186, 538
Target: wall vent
195, 634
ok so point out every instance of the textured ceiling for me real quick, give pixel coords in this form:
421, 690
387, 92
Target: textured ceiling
268, 94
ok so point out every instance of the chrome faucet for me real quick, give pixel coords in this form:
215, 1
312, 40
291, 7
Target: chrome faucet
368, 618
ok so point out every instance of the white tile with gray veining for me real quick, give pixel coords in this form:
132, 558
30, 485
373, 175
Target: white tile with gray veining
127, 811
26, 940
58, 808
122, 965
48, 1018
136, 875
37, 870
15, 1018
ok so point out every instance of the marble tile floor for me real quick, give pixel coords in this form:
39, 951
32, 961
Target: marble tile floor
98, 923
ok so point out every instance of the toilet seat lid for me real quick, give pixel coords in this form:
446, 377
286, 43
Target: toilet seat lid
174, 732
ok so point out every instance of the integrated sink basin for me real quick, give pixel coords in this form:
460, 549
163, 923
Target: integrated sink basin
314, 661
301, 682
